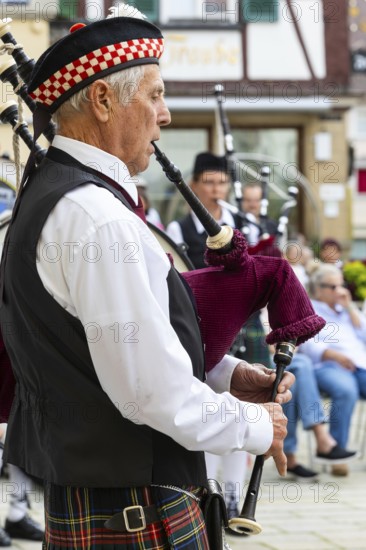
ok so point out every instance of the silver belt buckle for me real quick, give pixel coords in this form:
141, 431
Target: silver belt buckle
142, 518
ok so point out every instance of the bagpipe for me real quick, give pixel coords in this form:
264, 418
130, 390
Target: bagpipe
233, 286
230, 284
270, 242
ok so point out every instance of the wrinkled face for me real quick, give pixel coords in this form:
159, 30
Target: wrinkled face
329, 289
252, 200
210, 187
137, 124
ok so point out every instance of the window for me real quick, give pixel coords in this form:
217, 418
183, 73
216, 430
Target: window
260, 11
278, 149
357, 123
361, 121
149, 7
177, 11
68, 9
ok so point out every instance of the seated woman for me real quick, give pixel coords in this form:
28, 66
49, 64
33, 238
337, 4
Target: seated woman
306, 405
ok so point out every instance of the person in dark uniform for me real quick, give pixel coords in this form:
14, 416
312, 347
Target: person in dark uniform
251, 204
210, 182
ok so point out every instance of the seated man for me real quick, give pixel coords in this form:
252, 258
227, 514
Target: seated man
338, 352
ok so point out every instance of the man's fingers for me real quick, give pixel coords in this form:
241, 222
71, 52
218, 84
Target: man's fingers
280, 460
286, 382
283, 397
281, 463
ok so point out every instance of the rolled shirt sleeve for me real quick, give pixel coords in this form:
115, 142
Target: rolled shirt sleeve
219, 378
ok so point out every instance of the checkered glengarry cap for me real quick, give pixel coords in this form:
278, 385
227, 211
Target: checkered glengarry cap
92, 52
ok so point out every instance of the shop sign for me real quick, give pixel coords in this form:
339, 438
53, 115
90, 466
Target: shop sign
202, 55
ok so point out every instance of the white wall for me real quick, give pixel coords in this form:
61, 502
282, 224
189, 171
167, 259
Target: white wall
274, 50
203, 11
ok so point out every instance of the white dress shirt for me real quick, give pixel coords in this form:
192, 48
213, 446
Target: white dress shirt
105, 267
174, 230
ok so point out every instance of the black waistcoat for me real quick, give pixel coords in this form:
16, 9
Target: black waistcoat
62, 426
196, 242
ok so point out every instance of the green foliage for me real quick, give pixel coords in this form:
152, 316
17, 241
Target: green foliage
355, 275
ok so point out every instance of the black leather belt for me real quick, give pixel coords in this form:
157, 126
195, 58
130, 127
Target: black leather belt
133, 518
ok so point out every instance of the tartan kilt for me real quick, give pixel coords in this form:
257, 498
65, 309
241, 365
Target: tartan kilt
75, 517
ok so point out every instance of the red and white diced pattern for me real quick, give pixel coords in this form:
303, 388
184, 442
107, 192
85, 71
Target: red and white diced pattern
94, 62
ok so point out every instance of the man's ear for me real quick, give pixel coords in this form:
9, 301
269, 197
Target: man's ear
100, 100
193, 183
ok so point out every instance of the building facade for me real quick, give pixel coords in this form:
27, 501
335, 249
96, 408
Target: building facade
357, 125
284, 66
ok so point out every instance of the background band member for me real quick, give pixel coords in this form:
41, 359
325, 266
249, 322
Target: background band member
210, 182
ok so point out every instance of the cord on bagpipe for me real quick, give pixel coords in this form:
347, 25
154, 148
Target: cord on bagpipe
226, 293
9, 115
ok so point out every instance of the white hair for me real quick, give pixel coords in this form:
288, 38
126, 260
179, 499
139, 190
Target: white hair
124, 83
321, 273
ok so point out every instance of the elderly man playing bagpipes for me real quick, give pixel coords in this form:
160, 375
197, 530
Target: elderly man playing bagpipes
108, 343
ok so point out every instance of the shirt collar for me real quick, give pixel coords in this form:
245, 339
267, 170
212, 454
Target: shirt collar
337, 308
99, 160
226, 219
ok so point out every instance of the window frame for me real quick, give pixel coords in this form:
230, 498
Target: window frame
153, 14
254, 11
68, 10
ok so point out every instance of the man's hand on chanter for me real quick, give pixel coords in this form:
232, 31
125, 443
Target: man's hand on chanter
254, 383
279, 422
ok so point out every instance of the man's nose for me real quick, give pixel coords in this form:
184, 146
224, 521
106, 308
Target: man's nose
164, 117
